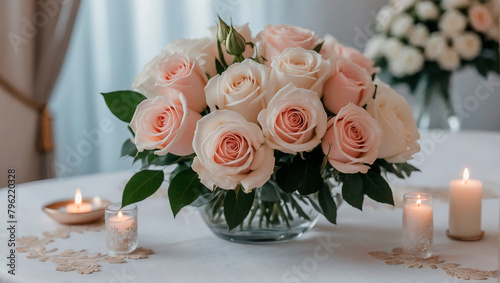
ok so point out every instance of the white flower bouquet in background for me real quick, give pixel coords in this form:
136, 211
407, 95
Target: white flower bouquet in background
256, 128
425, 41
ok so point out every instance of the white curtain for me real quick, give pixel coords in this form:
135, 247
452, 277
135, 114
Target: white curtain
113, 39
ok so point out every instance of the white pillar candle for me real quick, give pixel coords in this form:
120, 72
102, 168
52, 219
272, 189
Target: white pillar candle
417, 224
465, 207
78, 206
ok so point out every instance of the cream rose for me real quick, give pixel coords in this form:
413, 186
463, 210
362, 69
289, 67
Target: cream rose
419, 35
411, 59
384, 18
480, 18
455, 4
468, 45
244, 88
399, 130
304, 68
392, 47
452, 22
349, 83
294, 120
435, 46
231, 151
375, 47
164, 124
352, 140
449, 60
276, 38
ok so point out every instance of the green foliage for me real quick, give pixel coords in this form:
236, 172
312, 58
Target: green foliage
237, 205
327, 204
123, 103
352, 190
184, 189
302, 175
142, 185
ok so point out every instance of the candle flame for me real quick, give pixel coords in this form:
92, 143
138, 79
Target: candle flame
78, 197
419, 201
120, 214
466, 175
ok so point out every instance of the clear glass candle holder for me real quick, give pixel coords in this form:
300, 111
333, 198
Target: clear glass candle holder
121, 228
417, 224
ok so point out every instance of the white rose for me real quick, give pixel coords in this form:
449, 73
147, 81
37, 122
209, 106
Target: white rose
392, 47
396, 67
304, 68
231, 151
403, 5
455, 4
384, 18
435, 46
400, 133
452, 22
419, 35
375, 47
448, 59
244, 88
294, 121
401, 25
468, 45
494, 7
427, 10
412, 59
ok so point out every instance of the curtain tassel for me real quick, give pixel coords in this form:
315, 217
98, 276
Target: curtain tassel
45, 140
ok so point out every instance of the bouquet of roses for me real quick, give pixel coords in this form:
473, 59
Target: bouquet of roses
427, 40
283, 114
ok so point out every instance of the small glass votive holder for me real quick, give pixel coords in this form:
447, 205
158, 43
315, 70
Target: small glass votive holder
121, 228
418, 224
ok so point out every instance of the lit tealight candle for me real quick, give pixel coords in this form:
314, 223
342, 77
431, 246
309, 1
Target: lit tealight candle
417, 224
465, 207
78, 206
121, 222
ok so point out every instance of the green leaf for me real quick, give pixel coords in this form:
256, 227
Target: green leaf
236, 208
218, 66
352, 190
165, 160
300, 175
327, 204
128, 149
184, 189
143, 184
407, 168
376, 187
269, 191
123, 103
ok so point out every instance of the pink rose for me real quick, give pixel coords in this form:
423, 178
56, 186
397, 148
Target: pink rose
164, 124
352, 140
480, 18
349, 83
276, 38
356, 57
231, 151
180, 71
294, 120
304, 68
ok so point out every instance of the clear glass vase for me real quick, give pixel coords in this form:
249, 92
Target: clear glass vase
433, 107
274, 217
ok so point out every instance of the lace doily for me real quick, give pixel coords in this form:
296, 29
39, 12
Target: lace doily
396, 257
80, 261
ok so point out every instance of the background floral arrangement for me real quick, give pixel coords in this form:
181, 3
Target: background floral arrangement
427, 40
285, 111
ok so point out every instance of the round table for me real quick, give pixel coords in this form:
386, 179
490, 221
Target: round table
186, 251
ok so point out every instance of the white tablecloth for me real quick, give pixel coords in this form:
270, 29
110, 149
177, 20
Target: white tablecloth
186, 250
